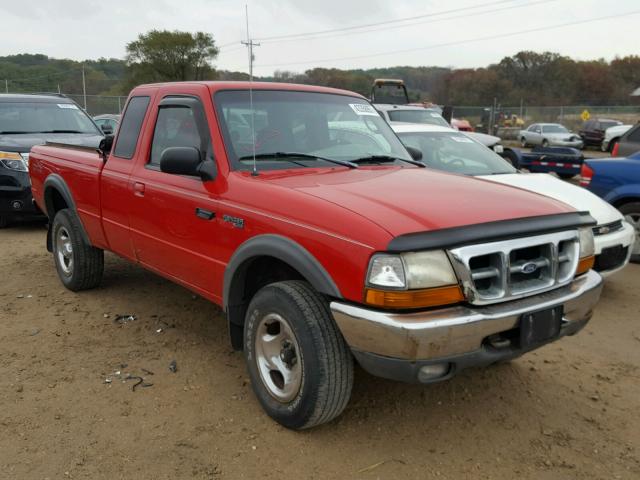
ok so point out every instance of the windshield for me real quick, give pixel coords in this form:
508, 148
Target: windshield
456, 153
554, 129
38, 117
316, 125
418, 116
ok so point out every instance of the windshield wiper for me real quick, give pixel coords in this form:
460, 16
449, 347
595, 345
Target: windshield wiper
286, 155
386, 159
62, 131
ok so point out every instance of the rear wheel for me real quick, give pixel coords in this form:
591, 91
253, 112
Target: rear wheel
523, 142
79, 264
545, 143
631, 212
300, 366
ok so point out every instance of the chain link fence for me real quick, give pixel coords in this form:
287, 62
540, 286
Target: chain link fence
99, 104
569, 116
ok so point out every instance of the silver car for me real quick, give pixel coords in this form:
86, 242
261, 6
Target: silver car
549, 135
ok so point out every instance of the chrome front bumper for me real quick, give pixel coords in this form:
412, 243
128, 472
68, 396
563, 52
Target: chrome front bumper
458, 331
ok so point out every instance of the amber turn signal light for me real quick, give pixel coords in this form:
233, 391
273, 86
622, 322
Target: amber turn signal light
585, 264
428, 297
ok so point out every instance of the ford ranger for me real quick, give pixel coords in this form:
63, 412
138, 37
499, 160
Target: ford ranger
321, 244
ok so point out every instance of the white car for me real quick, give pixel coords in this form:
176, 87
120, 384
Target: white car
549, 135
453, 151
612, 135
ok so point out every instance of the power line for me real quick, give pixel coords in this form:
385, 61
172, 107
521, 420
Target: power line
272, 39
459, 42
387, 22
421, 22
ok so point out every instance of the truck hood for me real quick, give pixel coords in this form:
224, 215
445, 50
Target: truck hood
22, 143
408, 200
548, 185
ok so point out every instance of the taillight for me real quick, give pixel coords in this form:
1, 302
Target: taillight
586, 174
614, 152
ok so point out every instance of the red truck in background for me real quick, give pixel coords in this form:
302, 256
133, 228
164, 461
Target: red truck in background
320, 243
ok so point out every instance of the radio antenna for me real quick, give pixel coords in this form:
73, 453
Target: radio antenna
250, 44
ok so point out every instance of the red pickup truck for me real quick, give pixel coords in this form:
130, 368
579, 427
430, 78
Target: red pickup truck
298, 211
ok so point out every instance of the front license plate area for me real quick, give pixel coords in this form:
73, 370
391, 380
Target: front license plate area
538, 327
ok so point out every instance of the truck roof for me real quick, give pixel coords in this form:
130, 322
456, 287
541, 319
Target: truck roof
244, 85
34, 98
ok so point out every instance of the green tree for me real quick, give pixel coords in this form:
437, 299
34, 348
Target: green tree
163, 55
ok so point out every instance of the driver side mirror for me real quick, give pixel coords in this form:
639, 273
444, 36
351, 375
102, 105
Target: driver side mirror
415, 153
186, 161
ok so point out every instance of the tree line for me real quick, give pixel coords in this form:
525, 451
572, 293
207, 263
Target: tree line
529, 77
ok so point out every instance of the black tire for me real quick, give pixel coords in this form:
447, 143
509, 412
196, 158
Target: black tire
83, 267
566, 176
523, 142
4, 221
545, 143
631, 211
326, 364
511, 157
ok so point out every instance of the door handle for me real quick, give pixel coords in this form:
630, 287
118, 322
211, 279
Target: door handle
204, 214
138, 189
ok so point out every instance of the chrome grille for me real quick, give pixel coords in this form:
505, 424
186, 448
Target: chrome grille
505, 270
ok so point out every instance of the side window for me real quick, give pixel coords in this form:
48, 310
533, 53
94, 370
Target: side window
533, 127
537, 129
634, 135
131, 123
178, 126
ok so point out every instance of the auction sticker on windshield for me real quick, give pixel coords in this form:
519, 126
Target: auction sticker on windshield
363, 109
68, 105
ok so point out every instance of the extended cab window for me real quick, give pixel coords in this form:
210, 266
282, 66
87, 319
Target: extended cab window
292, 129
130, 127
179, 126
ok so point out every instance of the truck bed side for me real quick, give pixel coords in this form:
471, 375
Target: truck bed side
55, 168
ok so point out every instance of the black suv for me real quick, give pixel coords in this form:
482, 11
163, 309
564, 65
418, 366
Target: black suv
28, 120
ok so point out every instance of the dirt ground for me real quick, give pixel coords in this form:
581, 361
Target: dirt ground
569, 410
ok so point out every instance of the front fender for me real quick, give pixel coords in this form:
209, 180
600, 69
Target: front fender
282, 248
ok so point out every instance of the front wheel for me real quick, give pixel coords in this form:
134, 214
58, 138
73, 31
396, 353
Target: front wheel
79, 264
631, 212
523, 142
545, 143
300, 367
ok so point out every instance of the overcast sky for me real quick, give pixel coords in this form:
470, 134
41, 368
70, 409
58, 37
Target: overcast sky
81, 29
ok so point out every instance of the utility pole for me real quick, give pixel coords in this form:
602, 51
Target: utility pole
6, 86
250, 44
84, 89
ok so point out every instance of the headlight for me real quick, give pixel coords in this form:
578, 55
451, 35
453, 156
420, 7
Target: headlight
587, 245
13, 161
412, 280
587, 251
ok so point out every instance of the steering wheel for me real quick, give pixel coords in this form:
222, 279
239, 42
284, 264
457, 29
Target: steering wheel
456, 163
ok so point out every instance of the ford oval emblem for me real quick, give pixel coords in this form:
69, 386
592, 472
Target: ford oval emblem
529, 267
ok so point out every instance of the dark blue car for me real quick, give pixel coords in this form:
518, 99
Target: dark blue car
617, 181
